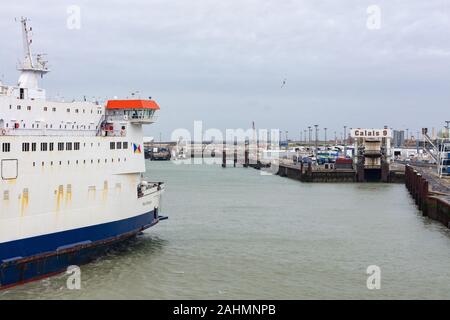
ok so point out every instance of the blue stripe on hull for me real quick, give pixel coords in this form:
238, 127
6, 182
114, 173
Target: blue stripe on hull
31, 258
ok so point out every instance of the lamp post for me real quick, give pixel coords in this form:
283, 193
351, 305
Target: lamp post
350, 135
309, 134
287, 141
325, 138
417, 142
317, 137
345, 141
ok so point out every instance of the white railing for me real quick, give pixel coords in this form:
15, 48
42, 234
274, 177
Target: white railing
131, 118
143, 119
47, 132
147, 188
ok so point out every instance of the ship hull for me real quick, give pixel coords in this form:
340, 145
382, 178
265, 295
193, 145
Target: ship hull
46, 255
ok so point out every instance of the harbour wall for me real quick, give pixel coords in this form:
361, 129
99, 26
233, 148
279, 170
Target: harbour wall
308, 173
429, 194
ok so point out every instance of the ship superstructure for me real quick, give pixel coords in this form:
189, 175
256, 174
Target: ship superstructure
71, 175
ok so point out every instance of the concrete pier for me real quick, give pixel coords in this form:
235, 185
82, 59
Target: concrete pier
307, 174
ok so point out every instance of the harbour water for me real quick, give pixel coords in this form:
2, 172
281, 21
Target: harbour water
235, 234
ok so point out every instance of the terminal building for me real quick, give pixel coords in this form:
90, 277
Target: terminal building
373, 154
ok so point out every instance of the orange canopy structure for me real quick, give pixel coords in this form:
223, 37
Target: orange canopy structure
132, 104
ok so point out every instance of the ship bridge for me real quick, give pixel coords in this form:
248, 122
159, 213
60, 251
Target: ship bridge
134, 111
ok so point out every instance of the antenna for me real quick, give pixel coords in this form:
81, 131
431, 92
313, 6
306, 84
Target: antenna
26, 38
30, 70
136, 93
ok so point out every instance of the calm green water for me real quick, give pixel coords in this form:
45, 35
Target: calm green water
234, 234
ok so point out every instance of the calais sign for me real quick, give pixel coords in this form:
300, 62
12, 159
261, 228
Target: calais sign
371, 133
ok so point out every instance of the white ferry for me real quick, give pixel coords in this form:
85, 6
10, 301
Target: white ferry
71, 176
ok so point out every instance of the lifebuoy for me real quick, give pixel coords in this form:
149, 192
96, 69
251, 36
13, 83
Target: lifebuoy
3, 131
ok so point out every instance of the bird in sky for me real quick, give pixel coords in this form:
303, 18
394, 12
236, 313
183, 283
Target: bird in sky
284, 83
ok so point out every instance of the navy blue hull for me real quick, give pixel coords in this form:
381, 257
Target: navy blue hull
34, 258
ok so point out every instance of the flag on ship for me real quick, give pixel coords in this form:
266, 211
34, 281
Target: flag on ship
137, 148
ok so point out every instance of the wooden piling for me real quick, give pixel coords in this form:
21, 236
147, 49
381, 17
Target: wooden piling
431, 205
224, 155
246, 161
235, 153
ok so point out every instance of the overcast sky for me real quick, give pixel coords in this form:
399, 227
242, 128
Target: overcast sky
224, 62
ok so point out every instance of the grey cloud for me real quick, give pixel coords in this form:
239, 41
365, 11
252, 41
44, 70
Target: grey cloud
223, 61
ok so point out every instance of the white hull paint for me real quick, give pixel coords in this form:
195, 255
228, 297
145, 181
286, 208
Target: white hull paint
45, 191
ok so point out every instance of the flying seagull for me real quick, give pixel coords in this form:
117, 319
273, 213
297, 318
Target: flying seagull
284, 82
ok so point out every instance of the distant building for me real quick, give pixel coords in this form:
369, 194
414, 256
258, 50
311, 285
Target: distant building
148, 139
148, 142
399, 138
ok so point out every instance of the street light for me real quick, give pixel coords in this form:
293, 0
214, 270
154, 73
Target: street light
417, 142
345, 141
317, 133
280, 139
325, 135
309, 133
287, 141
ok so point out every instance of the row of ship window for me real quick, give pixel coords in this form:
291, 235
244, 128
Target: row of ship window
19, 107
50, 146
78, 162
118, 145
69, 146
33, 126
